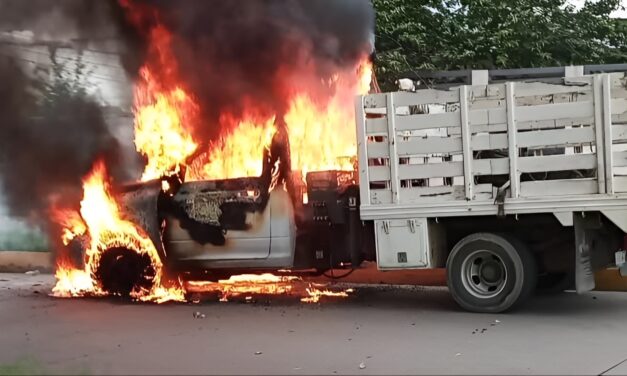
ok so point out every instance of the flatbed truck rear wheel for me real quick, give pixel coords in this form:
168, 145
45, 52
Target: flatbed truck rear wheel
490, 273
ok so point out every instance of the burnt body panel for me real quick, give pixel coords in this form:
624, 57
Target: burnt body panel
218, 220
207, 209
139, 204
266, 241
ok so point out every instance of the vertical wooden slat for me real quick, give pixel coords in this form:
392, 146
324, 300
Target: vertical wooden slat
362, 150
391, 116
466, 149
512, 133
598, 128
607, 130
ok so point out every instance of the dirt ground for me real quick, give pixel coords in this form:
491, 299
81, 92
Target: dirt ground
378, 330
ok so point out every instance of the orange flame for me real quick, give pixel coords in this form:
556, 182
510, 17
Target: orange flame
162, 127
236, 154
322, 136
103, 223
321, 130
264, 284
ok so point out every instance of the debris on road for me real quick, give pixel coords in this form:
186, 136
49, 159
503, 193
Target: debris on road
258, 353
32, 272
198, 315
362, 365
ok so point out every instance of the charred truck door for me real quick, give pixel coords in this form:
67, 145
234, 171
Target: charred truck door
219, 221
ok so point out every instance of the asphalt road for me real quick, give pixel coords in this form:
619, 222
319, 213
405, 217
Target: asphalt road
383, 330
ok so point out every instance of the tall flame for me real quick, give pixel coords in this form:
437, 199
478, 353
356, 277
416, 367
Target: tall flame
321, 130
101, 221
237, 153
162, 121
322, 135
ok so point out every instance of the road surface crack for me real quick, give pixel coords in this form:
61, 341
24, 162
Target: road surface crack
612, 367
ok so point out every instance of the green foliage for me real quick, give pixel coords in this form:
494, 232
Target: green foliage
20, 368
28, 366
488, 34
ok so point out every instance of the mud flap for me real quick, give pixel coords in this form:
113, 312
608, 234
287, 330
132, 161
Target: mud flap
584, 274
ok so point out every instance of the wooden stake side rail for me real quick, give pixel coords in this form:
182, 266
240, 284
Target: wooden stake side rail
535, 141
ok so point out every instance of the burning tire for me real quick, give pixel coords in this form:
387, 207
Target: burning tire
122, 271
490, 273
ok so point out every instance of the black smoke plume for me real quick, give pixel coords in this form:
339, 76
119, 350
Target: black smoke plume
231, 54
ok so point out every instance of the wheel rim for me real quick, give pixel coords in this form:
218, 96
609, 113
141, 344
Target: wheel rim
484, 274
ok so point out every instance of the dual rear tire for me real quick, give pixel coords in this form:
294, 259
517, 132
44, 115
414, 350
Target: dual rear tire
490, 273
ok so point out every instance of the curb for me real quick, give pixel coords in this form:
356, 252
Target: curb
20, 261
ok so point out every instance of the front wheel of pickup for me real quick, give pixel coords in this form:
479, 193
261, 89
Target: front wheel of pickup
490, 273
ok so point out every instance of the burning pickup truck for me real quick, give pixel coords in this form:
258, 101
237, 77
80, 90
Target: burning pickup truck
504, 191
213, 229
165, 231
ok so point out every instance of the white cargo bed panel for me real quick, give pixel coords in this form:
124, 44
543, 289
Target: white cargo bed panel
548, 148
402, 243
